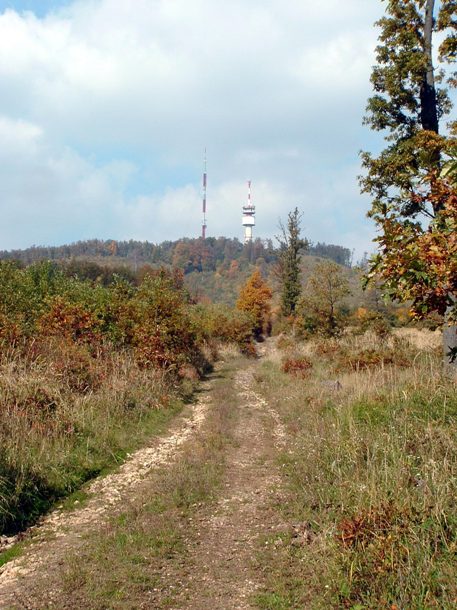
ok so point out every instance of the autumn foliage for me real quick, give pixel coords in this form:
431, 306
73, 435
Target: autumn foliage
70, 321
254, 299
85, 364
320, 307
298, 367
413, 201
417, 264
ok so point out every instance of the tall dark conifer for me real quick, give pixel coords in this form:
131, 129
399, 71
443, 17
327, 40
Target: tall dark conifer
290, 247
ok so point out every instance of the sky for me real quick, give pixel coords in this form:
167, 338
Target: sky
106, 107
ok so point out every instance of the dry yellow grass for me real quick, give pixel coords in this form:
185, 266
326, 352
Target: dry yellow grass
421, 338
371, 472
53, 436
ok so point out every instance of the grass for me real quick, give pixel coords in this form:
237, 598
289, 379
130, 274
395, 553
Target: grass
11, 553
54, 437
136, 558
371, 477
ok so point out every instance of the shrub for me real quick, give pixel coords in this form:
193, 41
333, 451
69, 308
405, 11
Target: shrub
254, 299
285, 342
358, 353
163, 334
10, 332
82, 365
224, 324
299, 367
364, 320
72, 321
399, 355
329, 348
321, 308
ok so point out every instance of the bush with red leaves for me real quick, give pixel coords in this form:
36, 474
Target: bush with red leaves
299, 367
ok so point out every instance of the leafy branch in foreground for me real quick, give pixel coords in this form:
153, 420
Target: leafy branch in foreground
413, 202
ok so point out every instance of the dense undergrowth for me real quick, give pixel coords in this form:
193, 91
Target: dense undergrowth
371, 477
88, 370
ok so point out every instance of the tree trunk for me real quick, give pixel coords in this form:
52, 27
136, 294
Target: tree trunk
429, 115
449, 343
429, 121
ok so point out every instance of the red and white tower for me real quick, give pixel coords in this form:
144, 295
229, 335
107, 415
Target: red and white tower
248, 217
204, 225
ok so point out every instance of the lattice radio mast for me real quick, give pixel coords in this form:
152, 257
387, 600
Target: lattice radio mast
204, 225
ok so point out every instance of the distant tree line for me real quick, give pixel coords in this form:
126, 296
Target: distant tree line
190, 255
339, 254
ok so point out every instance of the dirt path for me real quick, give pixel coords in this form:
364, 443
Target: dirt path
220, 571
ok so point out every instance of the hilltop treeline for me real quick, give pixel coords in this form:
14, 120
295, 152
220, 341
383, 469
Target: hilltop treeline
190, 255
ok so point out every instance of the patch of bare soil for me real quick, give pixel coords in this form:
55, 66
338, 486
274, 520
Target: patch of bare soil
221, 571
62, 531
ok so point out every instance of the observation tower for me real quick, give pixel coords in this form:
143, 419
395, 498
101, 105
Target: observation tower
248, 217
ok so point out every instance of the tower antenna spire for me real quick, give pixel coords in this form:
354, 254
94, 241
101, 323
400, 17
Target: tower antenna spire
204, 225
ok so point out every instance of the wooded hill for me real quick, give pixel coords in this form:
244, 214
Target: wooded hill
214, 269
187, 254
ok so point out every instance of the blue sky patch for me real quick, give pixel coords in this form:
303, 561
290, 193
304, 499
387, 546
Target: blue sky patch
39, 7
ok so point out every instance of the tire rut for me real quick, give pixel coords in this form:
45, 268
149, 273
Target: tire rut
221, 571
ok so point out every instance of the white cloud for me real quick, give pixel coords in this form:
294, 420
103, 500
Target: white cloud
103, 97
18, 133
